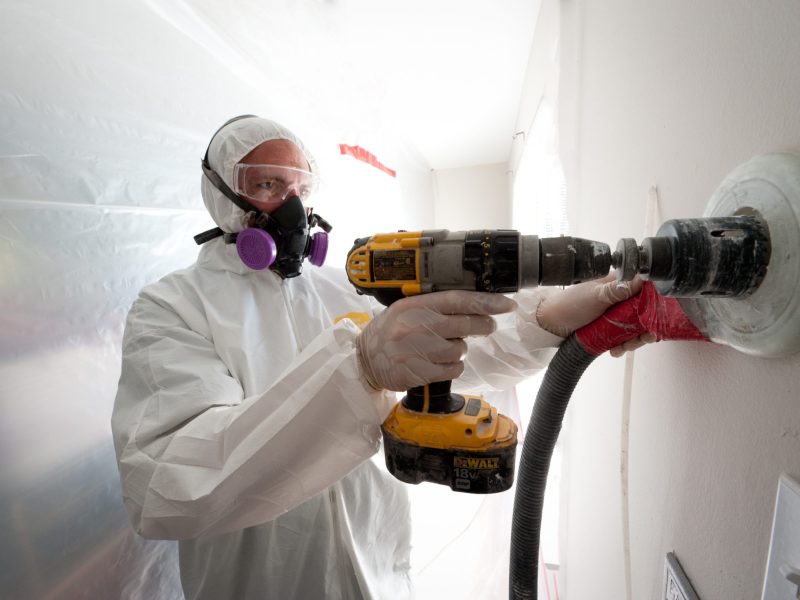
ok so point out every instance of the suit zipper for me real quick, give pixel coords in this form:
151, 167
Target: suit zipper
337, 532
287, 300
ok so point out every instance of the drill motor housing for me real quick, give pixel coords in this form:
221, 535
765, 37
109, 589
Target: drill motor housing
391, 266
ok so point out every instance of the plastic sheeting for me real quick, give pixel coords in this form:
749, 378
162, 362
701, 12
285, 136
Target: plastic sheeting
69, 271
105, 112
100, 144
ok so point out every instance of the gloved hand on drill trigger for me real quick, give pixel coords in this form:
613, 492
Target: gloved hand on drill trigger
580, 304
419, 339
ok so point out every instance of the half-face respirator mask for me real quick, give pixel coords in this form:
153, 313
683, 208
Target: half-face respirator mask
280, 239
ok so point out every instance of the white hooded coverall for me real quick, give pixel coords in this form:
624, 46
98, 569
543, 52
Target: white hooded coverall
243, 426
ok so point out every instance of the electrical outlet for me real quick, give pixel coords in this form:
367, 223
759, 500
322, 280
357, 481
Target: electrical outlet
782, 579
676, 584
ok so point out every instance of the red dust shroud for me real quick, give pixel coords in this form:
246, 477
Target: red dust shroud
646, 312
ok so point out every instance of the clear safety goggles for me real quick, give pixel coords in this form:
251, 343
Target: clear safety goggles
271, 184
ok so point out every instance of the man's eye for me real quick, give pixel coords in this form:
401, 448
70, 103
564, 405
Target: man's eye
268, 184
304, 192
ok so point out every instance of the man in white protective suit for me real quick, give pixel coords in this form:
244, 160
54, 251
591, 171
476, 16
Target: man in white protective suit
246, 412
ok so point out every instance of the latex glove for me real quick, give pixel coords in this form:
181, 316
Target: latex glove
420, 339
580, 304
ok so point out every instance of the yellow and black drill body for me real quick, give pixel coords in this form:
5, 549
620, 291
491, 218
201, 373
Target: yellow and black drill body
433, 434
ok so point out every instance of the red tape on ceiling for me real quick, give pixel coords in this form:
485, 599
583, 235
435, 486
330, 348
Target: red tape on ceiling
359, 153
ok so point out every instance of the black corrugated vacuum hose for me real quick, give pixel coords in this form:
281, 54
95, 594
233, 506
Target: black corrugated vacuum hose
647, 312
559, 382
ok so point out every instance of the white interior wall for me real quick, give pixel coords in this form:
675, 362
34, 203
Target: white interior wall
674, 95
541, 75
472, 198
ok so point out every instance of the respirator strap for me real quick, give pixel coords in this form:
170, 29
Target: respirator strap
211, 234
214, 177
207, 236
217, 182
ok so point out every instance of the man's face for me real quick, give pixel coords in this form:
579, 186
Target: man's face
273, 172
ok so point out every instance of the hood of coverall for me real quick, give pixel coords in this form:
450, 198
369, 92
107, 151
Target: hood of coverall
229, 146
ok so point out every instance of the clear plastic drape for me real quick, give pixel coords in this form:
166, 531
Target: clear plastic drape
105, 112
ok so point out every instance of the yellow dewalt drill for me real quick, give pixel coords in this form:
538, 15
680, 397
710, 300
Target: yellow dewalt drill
433, 434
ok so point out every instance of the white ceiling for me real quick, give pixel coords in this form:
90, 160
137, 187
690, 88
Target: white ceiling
445, 75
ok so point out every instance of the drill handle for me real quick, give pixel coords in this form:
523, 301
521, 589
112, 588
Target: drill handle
433, 398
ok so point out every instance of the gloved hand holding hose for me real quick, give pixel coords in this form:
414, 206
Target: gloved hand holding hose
580, 304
